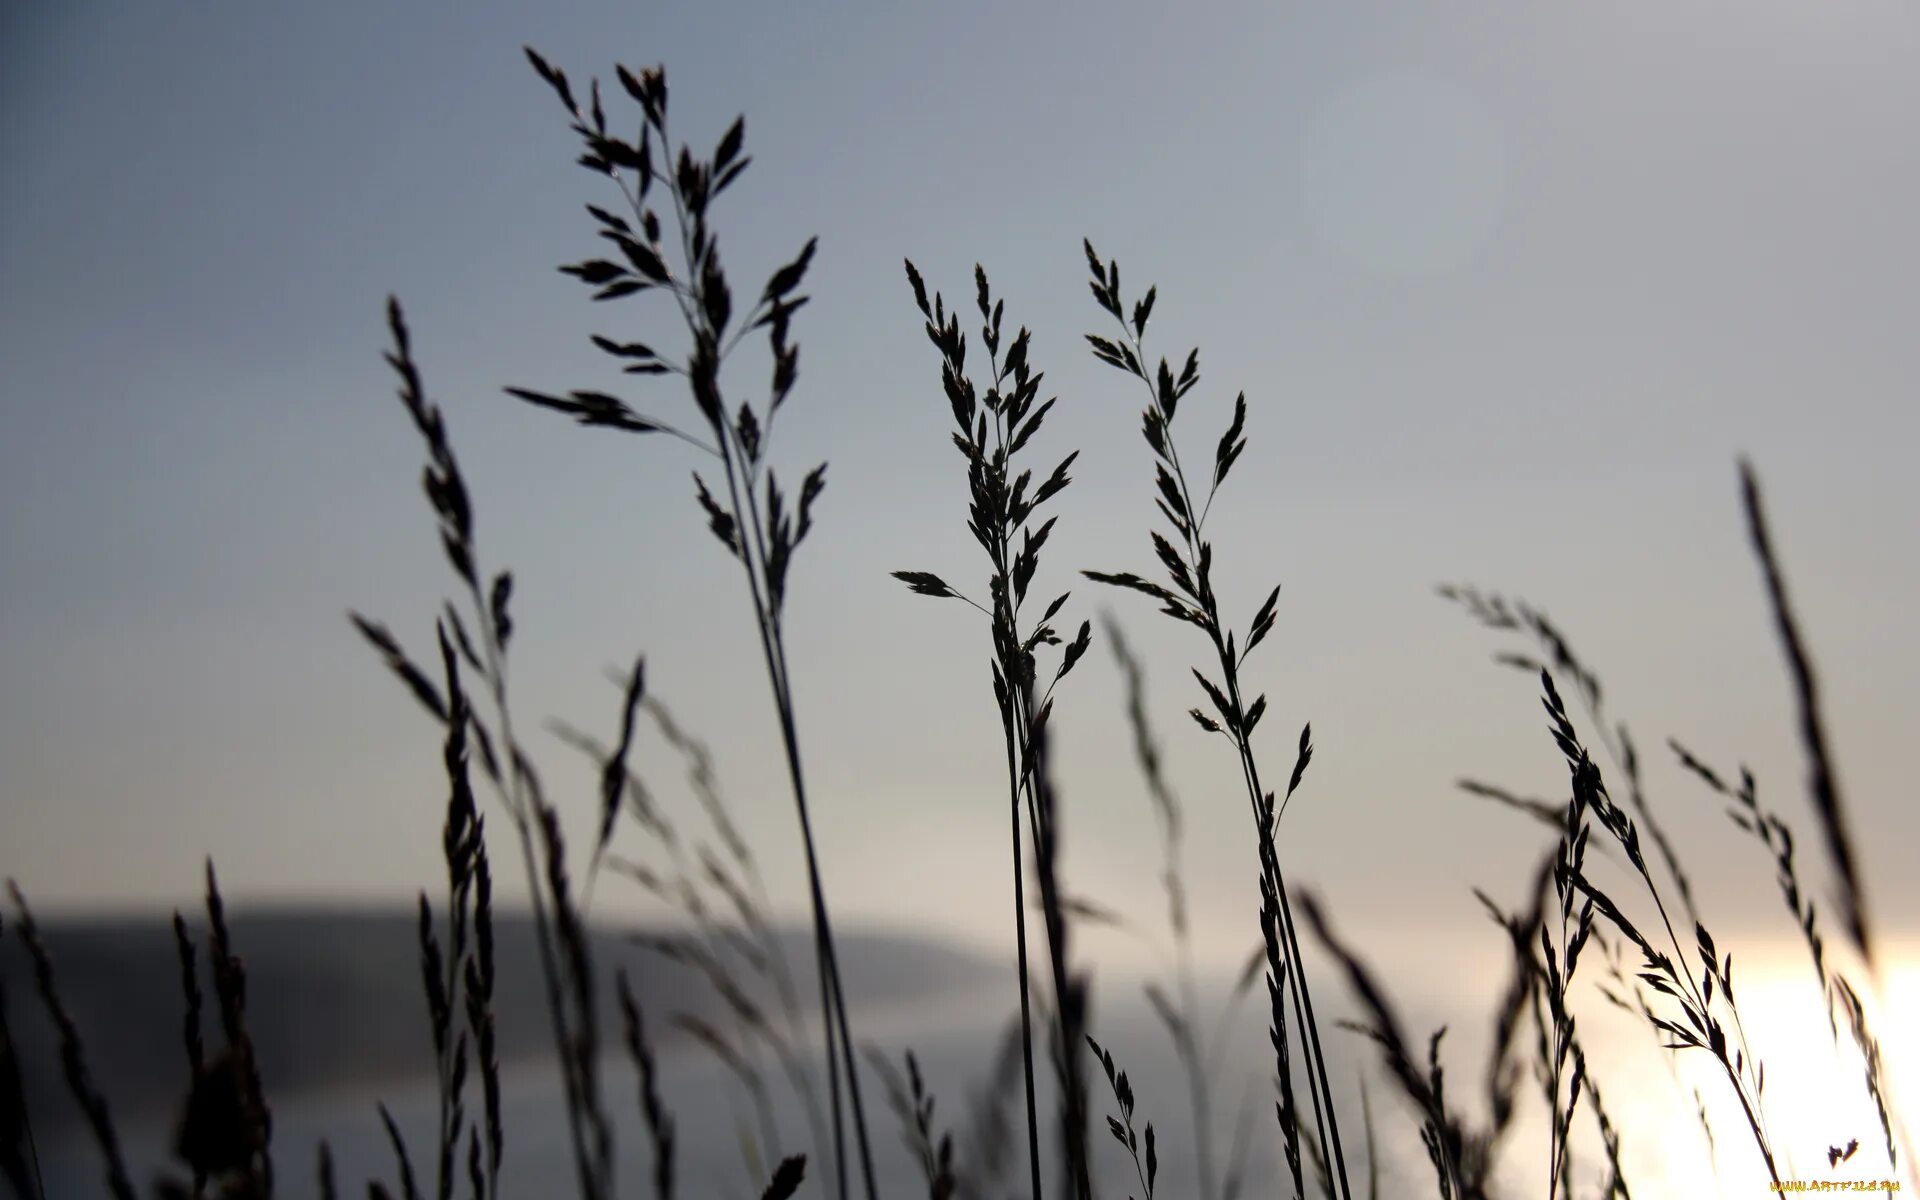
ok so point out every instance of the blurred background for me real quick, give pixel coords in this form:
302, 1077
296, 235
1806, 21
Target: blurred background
1507, 291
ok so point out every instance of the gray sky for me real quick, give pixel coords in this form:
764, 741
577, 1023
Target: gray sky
1507, 289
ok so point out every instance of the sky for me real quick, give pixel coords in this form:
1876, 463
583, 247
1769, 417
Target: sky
1508, 290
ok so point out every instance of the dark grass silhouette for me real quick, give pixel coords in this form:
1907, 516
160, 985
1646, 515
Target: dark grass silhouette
1177, 1007
1682, 988
761, 536
1000, 518
1191, 599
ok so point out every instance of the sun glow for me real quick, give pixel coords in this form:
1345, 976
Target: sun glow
1814, 1097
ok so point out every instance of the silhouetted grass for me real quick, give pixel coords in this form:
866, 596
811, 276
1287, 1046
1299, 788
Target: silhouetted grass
1191, 599
653, 1112
1698, 1019
762, 537
1822, 787
1683, 987
564, 966
1000, 518
1771, 830
739, 956
913, 1106
1197, 1051
1494, 612
19, 1156
73, 1060
1146, 1169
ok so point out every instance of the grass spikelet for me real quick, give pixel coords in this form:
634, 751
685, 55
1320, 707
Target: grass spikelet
786, 1178
409, 1188
659, 1122
913, 1105
1145, 1170
1443, 1133
19, 1156
1822, 786
249, 1138
987, 1133
73, 1055
190, 1024
1494, 612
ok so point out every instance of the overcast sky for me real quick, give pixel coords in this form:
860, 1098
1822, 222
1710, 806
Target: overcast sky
1508, 289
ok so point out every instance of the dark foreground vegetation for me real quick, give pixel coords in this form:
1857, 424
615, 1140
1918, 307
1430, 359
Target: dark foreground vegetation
1637, 921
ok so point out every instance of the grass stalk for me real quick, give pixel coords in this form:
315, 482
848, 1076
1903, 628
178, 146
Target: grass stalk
1192, 600
19, 1153
1672, 975
1000, 519
515, 782
1183, 1023
714, 941
762, 540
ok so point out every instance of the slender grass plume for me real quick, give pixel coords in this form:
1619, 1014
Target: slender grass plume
1191, 599
1555, 651
738, 955
1822, 786
459, 979
753, 518
914, 1106
991, 430
1773, 832
1146, 1169
564, 970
